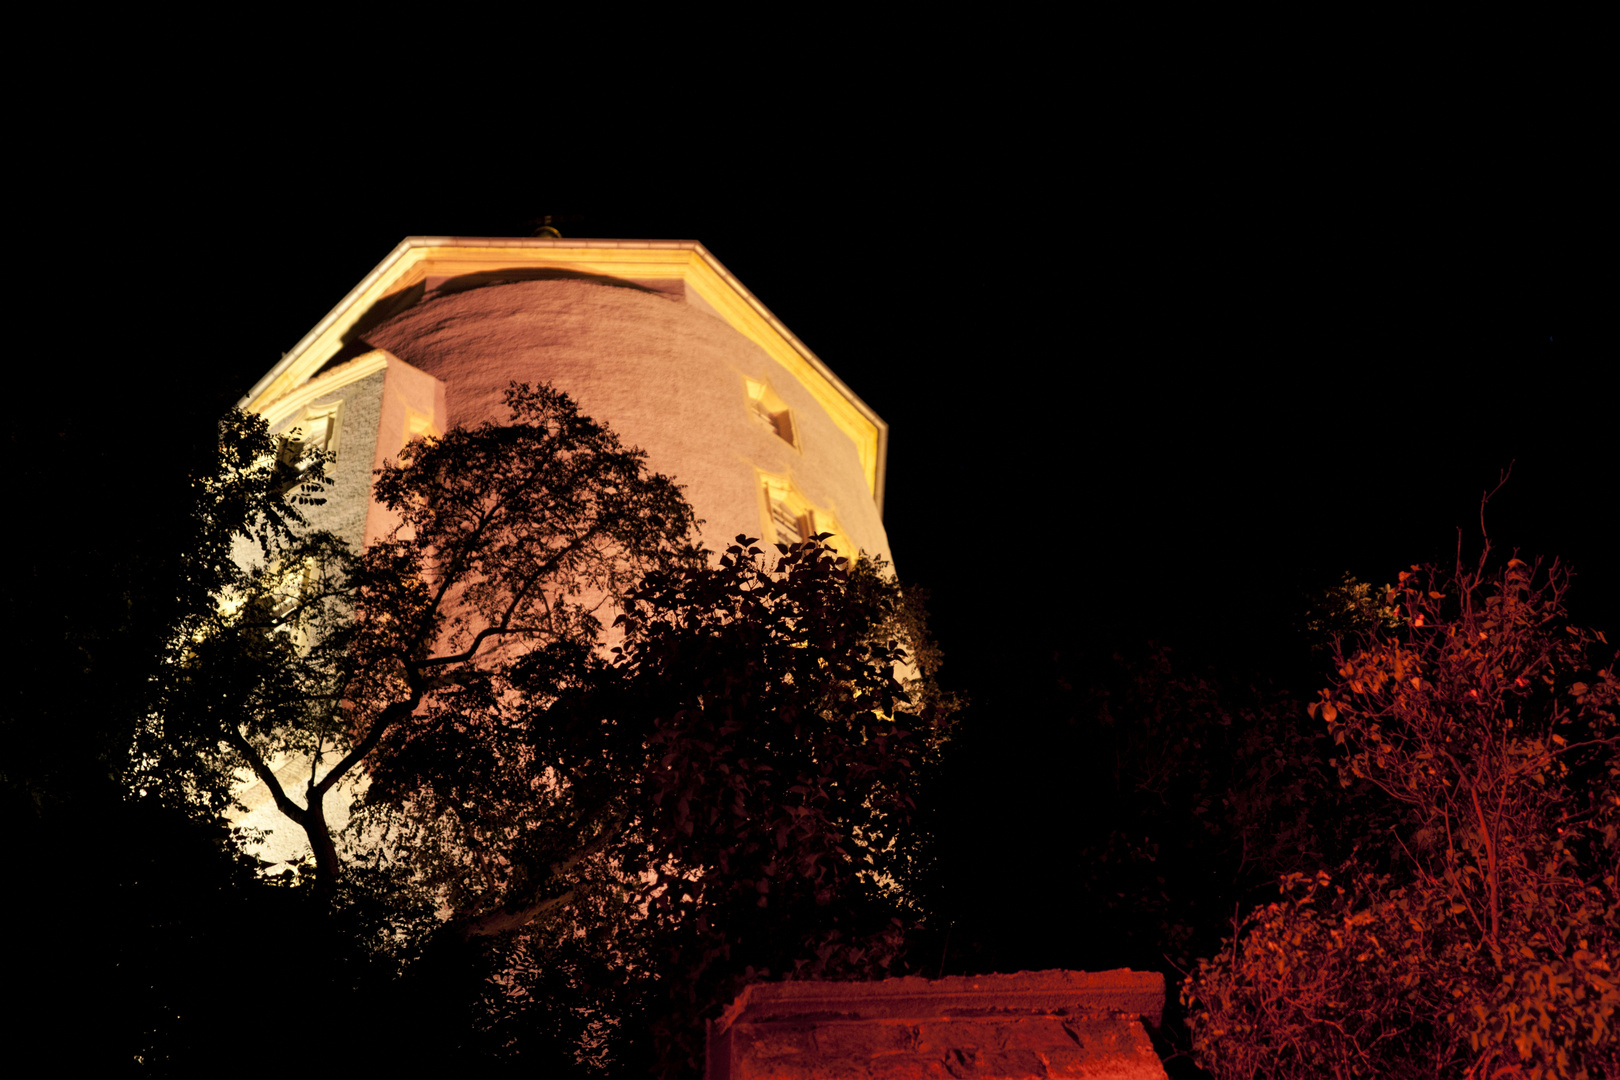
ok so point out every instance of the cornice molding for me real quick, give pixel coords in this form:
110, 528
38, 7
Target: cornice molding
418, 258
274, 412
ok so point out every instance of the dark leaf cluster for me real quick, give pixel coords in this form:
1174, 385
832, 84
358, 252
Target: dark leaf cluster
628, 775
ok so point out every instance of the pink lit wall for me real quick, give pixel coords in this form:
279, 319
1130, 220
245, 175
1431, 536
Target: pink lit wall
666, 375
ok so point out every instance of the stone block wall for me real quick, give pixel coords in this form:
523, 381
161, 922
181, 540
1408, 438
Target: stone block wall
1034, 1024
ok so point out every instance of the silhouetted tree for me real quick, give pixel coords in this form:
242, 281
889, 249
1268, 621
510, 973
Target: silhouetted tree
137, 911
617, 825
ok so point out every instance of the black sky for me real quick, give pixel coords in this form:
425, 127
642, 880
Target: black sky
1149, 373
1160, 355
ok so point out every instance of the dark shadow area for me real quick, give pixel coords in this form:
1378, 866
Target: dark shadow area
354, 341
513, 275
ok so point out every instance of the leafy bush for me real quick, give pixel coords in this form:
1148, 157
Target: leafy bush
1488, 946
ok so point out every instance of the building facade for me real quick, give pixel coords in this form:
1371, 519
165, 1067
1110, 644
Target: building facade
656, 339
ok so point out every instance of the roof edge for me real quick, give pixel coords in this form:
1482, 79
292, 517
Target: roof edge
413, 243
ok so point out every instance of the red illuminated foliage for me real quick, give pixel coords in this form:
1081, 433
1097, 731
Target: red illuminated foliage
1491, 942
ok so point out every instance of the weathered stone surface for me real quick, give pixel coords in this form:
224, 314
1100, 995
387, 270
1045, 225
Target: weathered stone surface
1047, 1024
1015, 1064
867, 1038
763, 1042
907, 1067
1033, 1032
1107, 1050
1122, 990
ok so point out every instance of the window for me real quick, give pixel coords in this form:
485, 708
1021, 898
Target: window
419, 425
789, 517
276, 600
770, 412
289, 585
315, 431
791, 528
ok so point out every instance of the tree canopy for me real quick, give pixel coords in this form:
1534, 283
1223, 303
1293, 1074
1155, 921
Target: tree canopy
610, 774
601, 778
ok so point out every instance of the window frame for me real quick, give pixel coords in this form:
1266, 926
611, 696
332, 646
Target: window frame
767, 410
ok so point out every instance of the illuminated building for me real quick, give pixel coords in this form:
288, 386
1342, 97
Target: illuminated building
654, 338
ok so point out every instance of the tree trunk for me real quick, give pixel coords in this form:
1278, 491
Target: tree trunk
327, 868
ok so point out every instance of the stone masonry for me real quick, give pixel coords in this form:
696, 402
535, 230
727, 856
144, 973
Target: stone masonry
1035, 1024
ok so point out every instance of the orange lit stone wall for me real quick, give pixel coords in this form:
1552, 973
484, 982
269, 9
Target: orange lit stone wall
1034, 1024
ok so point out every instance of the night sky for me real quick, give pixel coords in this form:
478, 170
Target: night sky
1127, 399
1165, 331
1155, 373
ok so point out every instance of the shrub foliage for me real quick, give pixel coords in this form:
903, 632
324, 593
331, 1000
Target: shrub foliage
1486, 946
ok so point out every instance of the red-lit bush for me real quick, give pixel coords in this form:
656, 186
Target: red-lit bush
1488, 947
1334, 980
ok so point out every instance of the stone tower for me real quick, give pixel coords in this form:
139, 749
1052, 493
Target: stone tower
654, 338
